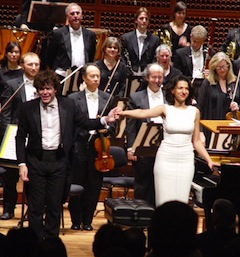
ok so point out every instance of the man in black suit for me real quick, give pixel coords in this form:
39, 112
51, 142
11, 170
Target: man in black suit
190, 60
71, 45
91, 101
48, 122
30, 63
138, 46
148, 98
232, 36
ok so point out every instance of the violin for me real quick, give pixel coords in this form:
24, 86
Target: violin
104, 162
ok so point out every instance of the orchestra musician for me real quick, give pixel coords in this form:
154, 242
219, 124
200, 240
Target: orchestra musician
91, 101
144, 99
9, 65
236, 66
163, 57
179, 30
30, 64
215, 96
49, 123
233, 38
71, 45
139, 45
112, 67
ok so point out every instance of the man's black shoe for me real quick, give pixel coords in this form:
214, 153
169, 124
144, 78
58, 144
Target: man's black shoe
7, 216
75, 227
87, 227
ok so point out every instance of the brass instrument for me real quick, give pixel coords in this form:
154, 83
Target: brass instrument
165, 37
231, 49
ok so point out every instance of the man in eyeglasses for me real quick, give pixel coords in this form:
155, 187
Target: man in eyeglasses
71, 45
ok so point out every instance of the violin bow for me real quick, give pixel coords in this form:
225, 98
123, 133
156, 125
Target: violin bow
105, 107
114, 70
11, 97
236, 86
70, 75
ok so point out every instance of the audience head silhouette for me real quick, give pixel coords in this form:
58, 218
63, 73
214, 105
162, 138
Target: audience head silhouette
173, 230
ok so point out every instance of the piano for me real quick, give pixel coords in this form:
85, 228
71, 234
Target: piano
224, 181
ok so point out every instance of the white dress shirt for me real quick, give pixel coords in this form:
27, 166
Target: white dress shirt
30, 90
50, 122
77, 46
155, 99
198, 63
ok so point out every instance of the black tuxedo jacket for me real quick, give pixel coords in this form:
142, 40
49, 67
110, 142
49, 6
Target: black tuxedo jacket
183, 60
130, 46
233, 35
138, 100
59, 51
10, 113
81, 103
30, 125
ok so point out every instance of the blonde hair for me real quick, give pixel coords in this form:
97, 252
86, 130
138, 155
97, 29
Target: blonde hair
31, 54
111, 41
215, 60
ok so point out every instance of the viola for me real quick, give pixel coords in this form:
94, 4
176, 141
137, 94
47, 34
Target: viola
104, 162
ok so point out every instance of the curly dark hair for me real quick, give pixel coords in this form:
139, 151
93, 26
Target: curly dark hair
46, 77
172, 84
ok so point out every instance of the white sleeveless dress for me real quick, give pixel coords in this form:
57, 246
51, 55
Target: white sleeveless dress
174, 163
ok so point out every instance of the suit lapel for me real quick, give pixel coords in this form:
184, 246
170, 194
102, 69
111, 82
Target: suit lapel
146, 43
188, 57
135, 43
62, 116
145, 102
37, 117
67, 42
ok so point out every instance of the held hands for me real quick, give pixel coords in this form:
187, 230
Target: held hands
23, 173
113, 115
183, 41
211, 164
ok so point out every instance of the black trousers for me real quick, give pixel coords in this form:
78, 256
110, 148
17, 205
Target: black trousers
10, 179
84, 173
46, 186
144, 179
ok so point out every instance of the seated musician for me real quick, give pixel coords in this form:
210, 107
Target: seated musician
74, 38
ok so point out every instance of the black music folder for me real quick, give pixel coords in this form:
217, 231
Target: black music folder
47, 13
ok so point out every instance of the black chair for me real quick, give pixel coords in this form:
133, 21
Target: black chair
75, 190
118, 180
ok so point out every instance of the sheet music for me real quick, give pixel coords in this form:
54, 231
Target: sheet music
8, 146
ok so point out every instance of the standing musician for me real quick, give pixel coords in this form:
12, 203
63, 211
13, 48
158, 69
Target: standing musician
49, 123
30, 64
112, 68
215, 96
190, 60
91, 102
138, 46
232, 41
147, 98
71, 45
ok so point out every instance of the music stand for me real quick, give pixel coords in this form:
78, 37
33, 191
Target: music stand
47, 13
148, 139
133, 83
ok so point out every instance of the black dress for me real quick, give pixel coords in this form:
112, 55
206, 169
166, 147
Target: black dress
119, 76
175, 37
214, 104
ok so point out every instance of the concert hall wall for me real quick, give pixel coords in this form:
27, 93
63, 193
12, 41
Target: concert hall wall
118, 15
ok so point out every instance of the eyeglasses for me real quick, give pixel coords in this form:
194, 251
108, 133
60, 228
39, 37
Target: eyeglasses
224, 67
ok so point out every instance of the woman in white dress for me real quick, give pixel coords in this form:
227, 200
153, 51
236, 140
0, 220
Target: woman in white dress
174, 163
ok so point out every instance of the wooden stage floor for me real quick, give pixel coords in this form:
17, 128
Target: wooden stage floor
78, 243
